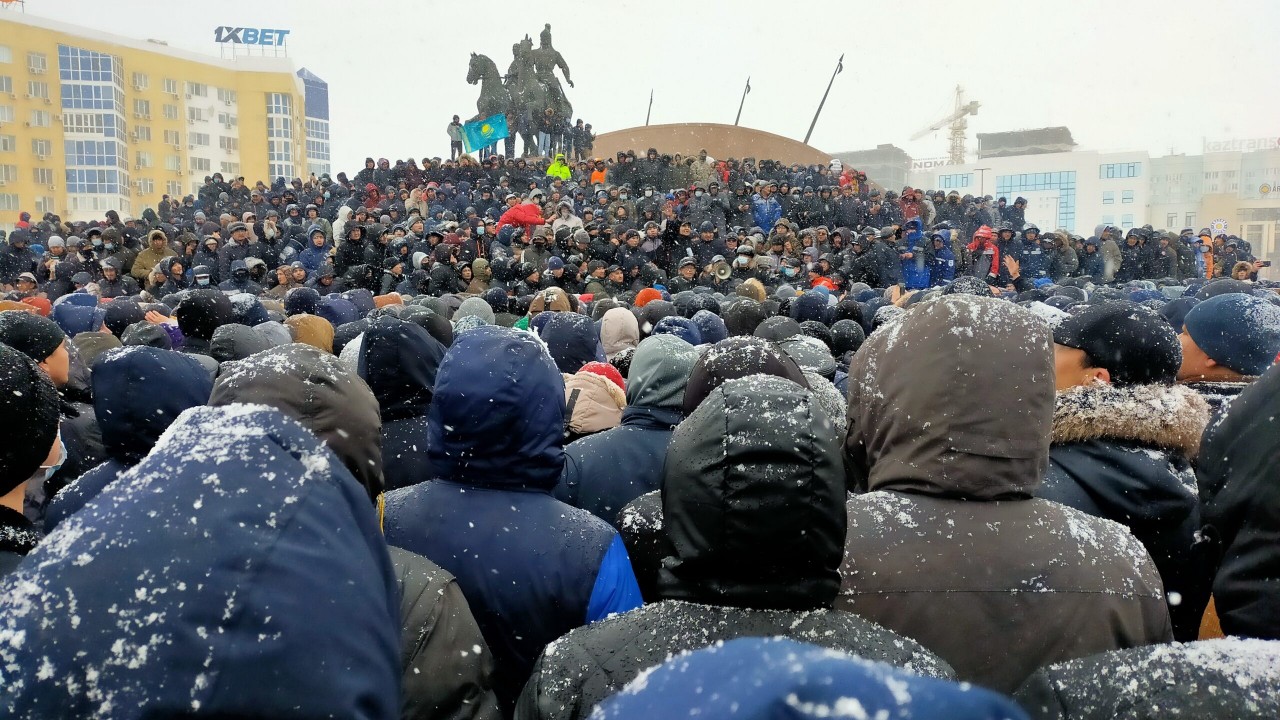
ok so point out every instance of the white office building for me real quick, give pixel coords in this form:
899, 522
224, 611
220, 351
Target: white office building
1064, 190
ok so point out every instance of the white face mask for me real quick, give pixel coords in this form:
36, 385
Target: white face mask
648, 193
697, 193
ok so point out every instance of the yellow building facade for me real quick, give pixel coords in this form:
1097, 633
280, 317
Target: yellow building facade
91, 122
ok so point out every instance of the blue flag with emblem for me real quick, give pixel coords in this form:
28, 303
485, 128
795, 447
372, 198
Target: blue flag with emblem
483, 133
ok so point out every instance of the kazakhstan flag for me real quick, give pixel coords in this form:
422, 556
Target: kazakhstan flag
483, 133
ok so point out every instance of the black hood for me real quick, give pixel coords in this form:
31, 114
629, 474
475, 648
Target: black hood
399, 361
753, 500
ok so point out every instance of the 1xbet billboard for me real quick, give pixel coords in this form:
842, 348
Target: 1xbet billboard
249, 36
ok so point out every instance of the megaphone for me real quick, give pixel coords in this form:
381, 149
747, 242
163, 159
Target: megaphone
722, 271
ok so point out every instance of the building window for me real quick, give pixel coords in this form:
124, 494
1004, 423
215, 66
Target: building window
146, 186
142, 159
169, 111
142, 133
142, 109
140, 81
229, 143
8, 173
198, 139
280, 135
6, 113
946, 182
38, 89
42, 148
230, 169
1108, 197
1112, 171
8, 201
1108, 220
1126, 196
173, 162
40, 118
6, 84
197, 90
8, 143
195, 114
171, 137
37, 63
44, 204
173, 188
42, 176
84, 123
1170, 220
228, 120
6, 54
1191, 219
226, 96
1126, 221
200, 164
171, 86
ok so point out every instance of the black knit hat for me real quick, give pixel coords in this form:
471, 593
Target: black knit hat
1133, 343
29, 410
202, 312
30, 334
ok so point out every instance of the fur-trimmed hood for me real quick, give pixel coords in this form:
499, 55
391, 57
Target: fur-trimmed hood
1171, 417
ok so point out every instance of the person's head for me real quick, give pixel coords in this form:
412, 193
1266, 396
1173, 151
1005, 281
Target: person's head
900, 438
491, 434
27, 282
318, 390
1242, 271
317, 238
29, 408
778, 546
297, 272
239, 232
1116, 342
41, 340
1229, 337
156, 240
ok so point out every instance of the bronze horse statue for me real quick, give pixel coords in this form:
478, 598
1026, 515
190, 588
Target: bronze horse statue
494, 96
528, 89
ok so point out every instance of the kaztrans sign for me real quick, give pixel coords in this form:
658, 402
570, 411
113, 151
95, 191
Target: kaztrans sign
249, 36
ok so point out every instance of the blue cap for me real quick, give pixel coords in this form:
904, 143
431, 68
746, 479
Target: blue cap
1238, 331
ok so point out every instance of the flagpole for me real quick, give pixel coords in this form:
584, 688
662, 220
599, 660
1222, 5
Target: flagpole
745, 90
839, 67
650, 112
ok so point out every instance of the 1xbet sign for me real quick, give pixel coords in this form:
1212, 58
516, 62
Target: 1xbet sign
249, 36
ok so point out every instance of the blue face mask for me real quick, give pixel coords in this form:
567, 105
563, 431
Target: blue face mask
789, 271
62, 457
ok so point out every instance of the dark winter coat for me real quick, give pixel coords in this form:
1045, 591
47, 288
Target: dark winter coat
447, 670
1228, 678
138, 392
494, 441
1240, 491
18, 537
605, 471
234, 605
752, 494
949, 527
399, 361
777, 678
1125, 454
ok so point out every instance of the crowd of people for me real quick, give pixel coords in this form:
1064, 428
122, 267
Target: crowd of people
646, 436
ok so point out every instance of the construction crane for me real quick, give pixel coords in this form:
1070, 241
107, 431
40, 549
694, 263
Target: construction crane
958, 122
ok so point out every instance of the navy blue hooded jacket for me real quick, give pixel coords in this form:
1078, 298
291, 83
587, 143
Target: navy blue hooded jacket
762, 679
572, 341
138, 391
605, 471
531, 567
399, 361
204, 584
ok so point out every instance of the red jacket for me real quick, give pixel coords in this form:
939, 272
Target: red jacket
526, 215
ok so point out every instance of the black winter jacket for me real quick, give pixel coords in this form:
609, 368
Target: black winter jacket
1125, 453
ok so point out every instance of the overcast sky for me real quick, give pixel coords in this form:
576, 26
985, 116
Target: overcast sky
1120, 74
